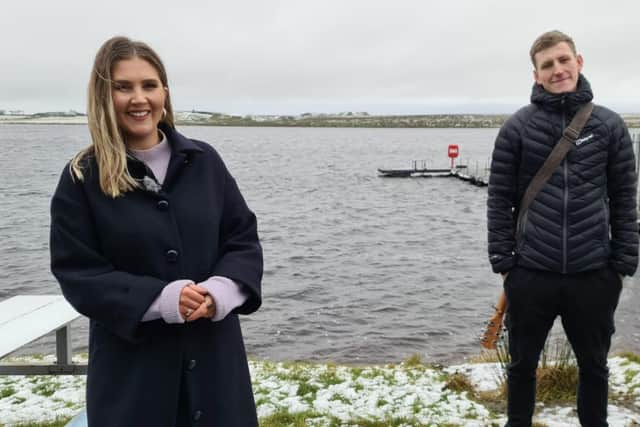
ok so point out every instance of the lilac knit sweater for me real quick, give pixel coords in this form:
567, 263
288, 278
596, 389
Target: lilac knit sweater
226, 293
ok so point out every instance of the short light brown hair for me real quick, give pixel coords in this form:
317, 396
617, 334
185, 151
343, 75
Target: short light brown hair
550, 39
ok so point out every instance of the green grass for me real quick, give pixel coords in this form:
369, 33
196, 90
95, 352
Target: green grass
329, 377
6, 392
557, 384
284, 418
414, 360
59, 422
557, 375
459, 383
45, 389
630, 375
632, 357
307, 389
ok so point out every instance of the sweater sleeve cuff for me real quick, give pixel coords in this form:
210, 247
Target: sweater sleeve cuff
226, 294
153, 312
170, 301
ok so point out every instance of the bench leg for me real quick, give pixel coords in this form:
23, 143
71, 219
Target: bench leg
63, 346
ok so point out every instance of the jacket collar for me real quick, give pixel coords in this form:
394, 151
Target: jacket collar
569, 101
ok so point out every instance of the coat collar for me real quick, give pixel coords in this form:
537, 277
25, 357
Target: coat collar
182, 150
569, 102
178, 142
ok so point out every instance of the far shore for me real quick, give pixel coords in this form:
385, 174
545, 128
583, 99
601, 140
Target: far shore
361, 120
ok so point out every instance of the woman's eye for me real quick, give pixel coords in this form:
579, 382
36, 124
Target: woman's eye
121, 88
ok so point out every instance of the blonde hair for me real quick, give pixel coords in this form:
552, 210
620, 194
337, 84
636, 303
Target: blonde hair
108, 145
550, 39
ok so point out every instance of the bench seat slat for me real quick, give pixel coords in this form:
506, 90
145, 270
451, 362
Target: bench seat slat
25, 318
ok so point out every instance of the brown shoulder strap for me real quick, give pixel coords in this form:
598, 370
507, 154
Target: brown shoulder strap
568, 139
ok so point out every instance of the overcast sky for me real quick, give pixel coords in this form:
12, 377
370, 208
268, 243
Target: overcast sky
296, 56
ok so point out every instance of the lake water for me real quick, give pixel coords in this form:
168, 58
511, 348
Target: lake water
358, 268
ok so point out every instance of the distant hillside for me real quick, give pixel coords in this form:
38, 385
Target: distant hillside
341, 120
632, 120
360, 120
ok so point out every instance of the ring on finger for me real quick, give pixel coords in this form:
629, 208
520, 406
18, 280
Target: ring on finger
188, 312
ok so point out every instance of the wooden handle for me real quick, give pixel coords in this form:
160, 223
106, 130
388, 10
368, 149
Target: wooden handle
491, 335
501, 307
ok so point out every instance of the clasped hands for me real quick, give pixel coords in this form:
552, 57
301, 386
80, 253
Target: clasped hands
195, 303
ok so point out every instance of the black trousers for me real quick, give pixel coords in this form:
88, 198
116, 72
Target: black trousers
586, 303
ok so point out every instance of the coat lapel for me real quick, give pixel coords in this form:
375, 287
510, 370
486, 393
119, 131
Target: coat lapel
182, 149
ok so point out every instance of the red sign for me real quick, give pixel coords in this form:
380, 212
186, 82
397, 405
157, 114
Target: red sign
453, 151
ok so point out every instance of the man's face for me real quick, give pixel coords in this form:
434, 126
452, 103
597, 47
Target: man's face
557, 68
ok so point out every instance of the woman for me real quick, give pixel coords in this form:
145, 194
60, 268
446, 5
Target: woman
152, 240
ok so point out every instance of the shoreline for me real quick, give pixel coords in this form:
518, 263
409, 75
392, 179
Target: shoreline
450, 121
317, 394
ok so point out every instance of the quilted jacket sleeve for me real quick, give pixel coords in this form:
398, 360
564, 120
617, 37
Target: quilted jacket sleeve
621, 187
502, 196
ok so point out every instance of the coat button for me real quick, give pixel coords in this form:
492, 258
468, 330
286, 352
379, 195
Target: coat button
191, 364
197, 415
172, 255
163, 205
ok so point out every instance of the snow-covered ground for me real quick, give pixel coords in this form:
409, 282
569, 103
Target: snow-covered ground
624, 383
415, 393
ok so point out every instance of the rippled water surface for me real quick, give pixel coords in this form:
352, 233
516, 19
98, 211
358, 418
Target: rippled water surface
358, 268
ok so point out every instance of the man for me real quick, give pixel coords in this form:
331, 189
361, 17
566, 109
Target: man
578, 238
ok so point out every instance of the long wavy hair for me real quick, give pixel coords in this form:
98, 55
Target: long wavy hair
108, 145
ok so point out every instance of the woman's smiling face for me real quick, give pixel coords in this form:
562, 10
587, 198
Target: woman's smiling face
138, 100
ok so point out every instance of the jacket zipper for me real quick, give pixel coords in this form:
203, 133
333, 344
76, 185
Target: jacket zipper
565, 199
564, 216
606, 219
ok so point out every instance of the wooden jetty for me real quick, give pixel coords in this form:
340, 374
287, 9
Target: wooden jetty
420, 170
478, 181
406, 173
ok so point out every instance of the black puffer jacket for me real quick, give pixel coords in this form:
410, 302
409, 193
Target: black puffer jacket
585, 216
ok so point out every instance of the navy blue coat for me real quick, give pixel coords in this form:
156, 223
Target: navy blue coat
113, 257
584, 218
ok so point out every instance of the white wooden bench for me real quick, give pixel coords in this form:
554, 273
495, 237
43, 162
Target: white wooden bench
24, 319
